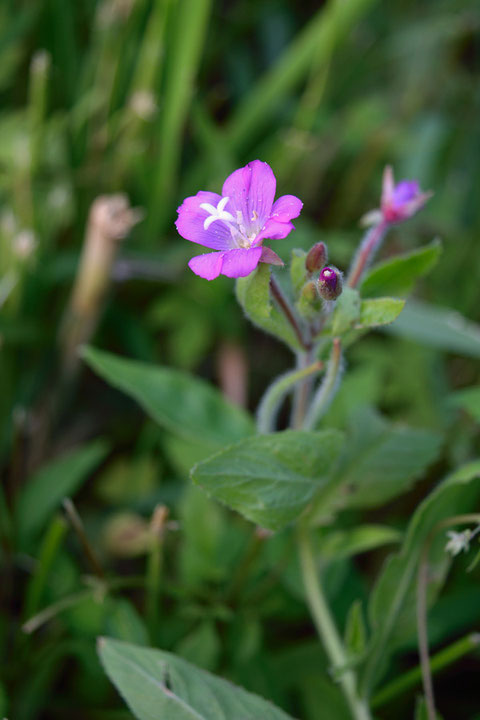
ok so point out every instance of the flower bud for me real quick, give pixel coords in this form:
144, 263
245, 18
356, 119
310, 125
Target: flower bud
330, 283
317, 257
402, 200
309, 303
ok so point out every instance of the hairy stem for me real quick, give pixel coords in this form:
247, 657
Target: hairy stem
326, 628
366, 252
287, 311
275, 394
327, 389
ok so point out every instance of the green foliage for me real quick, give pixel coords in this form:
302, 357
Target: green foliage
436, 327
253, 294
45, 491
160, 686
270, 478
397, 275
380, 311
180, 403
347, 311
340, 544
355, 631
392, 605
468, 400
378, 462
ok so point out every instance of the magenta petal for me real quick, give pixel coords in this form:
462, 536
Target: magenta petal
274, 230
241, 262
191, 218
207, 266
251, 191
286, 208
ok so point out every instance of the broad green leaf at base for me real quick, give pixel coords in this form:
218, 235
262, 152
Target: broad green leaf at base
157, 685
270, 479
181, 403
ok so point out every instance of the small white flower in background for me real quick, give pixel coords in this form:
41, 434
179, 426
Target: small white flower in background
458, 541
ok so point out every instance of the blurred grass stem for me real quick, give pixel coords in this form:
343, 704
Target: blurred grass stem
154, 567
413, 677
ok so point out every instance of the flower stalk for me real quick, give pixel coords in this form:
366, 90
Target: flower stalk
326, 628
326, 392
275, 394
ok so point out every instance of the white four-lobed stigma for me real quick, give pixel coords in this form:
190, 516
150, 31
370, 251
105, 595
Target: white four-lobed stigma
217, 213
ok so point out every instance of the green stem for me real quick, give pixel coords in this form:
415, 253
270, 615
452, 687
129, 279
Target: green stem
413, 677
326, 628
422, 586
154, 567
284, 306
272, 399
327, 389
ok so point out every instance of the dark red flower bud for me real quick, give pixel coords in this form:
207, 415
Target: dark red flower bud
317, 257
330, 283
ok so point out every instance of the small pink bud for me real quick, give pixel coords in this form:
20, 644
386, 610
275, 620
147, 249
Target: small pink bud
317, 257
330, 284
401, 201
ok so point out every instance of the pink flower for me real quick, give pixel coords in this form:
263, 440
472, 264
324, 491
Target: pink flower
401, 201
236, 223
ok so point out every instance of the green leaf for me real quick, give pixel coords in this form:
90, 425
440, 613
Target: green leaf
347, 311
381, 460
179, 402
270, 479
355, 630
398, 275
298, 273
469, 400
392, 603
124, 622
46, 489
253, 294
380, 311
157, 685
201, 647
437, 327
341, 544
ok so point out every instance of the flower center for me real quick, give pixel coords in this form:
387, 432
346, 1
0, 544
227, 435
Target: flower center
241, 235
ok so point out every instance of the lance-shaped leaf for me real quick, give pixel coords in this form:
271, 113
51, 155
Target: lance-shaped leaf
437, 327
44, 491
379, 311
398, 275
270, 479
381, 459
188, 407
157, 685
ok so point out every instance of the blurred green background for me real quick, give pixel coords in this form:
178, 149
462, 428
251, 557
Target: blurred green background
159, 99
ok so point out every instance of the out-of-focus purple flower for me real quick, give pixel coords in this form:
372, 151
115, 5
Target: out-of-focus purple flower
401, 201
236, 223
